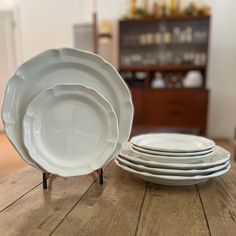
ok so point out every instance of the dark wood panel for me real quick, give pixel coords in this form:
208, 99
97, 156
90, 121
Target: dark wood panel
137, 97
171, 108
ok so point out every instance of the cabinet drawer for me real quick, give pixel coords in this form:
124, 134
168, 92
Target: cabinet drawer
175, 107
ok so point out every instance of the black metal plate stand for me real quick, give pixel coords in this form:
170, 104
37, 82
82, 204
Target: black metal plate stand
47, 175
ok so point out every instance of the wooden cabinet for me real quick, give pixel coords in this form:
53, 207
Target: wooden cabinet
138, 101
184, 108
169, 48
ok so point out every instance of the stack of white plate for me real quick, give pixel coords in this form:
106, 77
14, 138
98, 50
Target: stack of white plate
173, 159
67, 112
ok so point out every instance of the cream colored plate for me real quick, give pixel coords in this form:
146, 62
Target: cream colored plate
60, 66
172, 180
164, 171
174, 154
70, 130
219, 156
170, 142
172, 159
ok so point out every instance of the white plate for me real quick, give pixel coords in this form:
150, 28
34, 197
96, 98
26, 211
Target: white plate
174, 154
164, 171
60, 66
172, 142
171, 179
70, 130
219, 156
172, 159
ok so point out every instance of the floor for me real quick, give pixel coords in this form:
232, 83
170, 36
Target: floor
11, 162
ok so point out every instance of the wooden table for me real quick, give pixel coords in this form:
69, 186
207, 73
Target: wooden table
124, 205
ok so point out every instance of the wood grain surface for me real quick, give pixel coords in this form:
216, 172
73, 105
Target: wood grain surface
124, 205
15, 186
165, 209
112, 209
39, 212
219, 201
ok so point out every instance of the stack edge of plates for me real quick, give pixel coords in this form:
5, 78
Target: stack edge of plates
173, 159
67, 112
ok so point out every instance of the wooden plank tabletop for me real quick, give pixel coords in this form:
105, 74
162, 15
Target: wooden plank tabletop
123, 205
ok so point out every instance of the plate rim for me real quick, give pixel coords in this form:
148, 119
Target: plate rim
136, 139
178, 165
19, 79
174, 159
190, 171
169, 154
176, 178
81, 90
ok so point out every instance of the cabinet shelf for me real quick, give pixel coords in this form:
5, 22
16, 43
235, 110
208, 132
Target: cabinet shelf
171, 44
183, 67
174, 105
167, 18
177, 89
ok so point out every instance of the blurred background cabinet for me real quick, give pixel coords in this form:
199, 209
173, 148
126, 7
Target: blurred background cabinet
164, 62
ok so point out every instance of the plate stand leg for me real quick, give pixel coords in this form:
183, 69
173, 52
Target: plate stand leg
100, 173
47, 175
45, 180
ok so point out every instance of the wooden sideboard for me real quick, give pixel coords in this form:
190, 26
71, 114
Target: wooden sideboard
185, 108
169, 47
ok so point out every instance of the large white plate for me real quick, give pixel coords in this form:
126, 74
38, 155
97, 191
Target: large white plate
172, 142
70, 130
171, 179
59, 66
173, 154
172, 159
219, 156
164, 171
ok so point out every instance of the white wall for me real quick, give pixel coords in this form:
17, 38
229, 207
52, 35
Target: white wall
8, 52
48, 24
222, 68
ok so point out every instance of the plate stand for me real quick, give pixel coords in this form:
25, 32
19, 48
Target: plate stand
47, 175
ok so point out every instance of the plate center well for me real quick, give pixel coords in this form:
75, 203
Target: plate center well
70, 128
